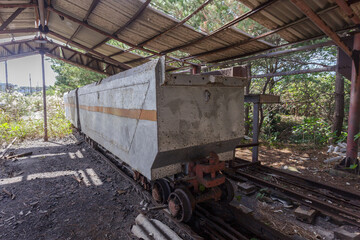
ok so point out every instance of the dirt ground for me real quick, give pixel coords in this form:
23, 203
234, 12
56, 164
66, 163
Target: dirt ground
64, 191
305, 162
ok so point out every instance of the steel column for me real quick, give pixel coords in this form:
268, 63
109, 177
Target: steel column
44, 97
196, 69
255, 138
6, 77
354, 111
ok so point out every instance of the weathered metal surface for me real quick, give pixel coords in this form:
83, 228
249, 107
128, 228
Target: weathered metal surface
155, 123
262, 98
338, 204
354, 113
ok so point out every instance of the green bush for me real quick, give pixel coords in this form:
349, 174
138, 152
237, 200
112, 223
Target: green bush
311, 130
22, 117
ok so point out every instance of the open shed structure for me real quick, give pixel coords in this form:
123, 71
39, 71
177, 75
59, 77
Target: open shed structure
78, 32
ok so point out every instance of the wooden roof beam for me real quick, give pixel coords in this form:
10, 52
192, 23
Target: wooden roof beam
91, 8
99, 30
19, 30
229, 24
257, 37
110, 36
127, 24
11, 18
18, 5
170, 29
177, 24
301, 5
348, 11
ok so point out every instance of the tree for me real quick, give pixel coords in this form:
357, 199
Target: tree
70, 77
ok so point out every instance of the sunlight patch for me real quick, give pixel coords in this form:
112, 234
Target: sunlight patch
10, 180
94, 177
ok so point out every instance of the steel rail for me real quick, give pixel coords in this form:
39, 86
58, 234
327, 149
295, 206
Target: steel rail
321, 206
316, 192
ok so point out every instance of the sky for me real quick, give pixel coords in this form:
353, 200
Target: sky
19, 70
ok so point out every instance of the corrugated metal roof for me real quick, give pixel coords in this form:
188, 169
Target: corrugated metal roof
284, 12
109, 16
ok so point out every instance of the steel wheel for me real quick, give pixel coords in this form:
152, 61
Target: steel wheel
161, 191
181, 205
227, 190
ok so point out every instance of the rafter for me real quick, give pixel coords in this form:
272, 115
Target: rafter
99, 30
91, 8
71, 57
18, 5
348, 11
8, 50
11, 18
121, 65
301, 5
174, 26
50, 51
261, 36
127, 24
28, 45
19, 30
229, 24
76, 64
111, 36
220, 62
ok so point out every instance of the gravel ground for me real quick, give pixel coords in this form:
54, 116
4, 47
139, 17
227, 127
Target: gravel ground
64, 190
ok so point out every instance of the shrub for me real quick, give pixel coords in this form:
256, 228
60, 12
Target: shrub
22, 117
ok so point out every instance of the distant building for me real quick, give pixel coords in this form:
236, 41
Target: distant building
22, 89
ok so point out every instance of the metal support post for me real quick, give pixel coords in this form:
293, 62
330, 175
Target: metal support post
255, 139
6, 78
354, 110
44, 97
196, 69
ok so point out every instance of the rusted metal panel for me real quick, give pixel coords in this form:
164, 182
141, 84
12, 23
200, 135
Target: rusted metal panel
262, 98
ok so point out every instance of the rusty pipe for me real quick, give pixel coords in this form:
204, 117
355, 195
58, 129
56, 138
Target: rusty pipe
41, 5
354, 113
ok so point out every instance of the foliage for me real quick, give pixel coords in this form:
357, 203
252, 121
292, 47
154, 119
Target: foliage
70, 77
312, 130
357, 136
22, 117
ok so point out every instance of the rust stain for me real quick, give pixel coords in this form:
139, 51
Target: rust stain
141, 114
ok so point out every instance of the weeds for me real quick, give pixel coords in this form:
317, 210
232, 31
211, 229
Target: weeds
22, 117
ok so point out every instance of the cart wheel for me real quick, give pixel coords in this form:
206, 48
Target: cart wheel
161, 191
227, 190
181, 205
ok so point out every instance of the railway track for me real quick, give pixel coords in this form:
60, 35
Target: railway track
211, 220
340, 205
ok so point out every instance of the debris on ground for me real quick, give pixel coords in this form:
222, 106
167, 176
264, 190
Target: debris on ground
59, 198
305, 214
152, 229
